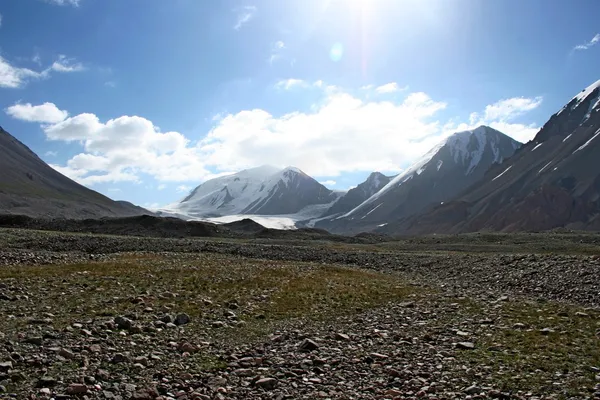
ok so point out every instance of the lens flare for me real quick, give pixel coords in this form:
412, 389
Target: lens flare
336, 52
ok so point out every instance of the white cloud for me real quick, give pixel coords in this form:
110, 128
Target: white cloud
183, 188
74, 3
65, 64
161, 187
287, 84
0, 20
51, 154
16, 77
329, 182
589, 44
388, 88
244, 15
276, 50
46, 113
508, 109
110, 84
341, 133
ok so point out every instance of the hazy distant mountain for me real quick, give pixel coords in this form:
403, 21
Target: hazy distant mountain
31, 187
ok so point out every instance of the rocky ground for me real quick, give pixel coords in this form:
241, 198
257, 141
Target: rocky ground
104, 317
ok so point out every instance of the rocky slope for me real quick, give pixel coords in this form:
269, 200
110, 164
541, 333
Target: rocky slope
552, 181
355, 196
29, 186
447, 169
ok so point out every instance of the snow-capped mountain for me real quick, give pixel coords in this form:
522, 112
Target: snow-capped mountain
263, 190
354, 197
447, 169
552, 181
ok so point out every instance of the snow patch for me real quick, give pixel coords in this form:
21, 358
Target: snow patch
272, 222
588, 142
376, 207
544, 167
439, 164
537, 147
586, 92
568, 136
502, 173
380, 225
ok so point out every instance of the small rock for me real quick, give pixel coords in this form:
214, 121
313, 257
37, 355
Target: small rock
342, 337
66, 354
145, 394
472, 390
119, 358
36, 340
6, 366
77, 388
308, 345
546, 331
123, 323
267, 383
46, 382
218, 324
187, 348
465, 345
182, 319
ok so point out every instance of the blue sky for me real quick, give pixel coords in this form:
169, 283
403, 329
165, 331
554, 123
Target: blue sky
144, 99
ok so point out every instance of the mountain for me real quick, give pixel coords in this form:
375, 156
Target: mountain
260, 191
354, 197
29, 186
453, 165
552, 181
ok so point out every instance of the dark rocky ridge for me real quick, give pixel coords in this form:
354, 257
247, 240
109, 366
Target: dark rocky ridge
31, 187
354, 197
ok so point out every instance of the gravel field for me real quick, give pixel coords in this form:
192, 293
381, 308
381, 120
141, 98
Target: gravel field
107, 317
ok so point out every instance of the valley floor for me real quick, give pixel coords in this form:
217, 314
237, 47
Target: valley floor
475, 316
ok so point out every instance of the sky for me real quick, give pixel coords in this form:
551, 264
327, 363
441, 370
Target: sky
142, 100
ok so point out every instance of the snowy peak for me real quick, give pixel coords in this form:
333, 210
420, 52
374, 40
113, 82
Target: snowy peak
263, 190
469, 147
452, 165
577, 113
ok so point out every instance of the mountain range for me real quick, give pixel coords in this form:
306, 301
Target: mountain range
478, 179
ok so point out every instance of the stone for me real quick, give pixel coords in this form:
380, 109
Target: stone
46, 382
342, 337
472, 390
182, 319
36, 340
66, 354
123, 323
465, 345
187, 348
119, 358
308, 345
145, 394
6, 366
77, 388
267, 383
